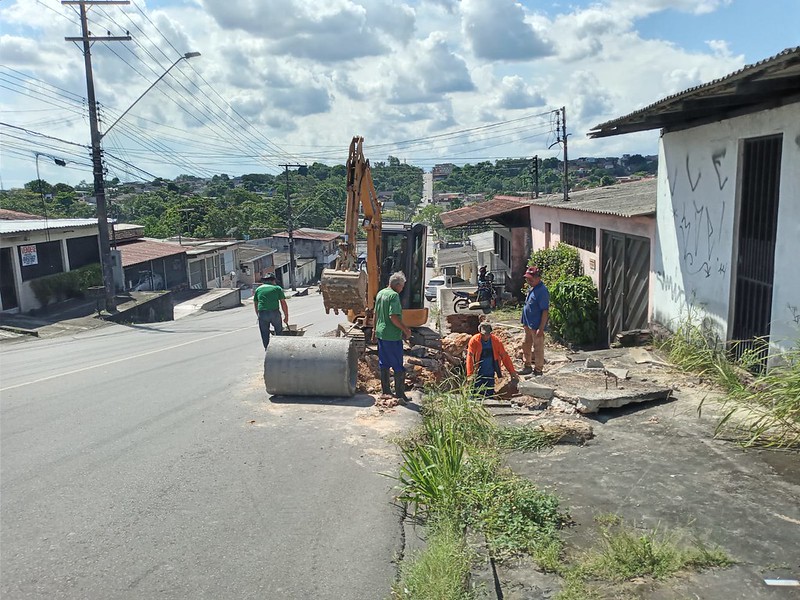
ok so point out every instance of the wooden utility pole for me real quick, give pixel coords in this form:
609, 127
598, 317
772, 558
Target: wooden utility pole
97, 152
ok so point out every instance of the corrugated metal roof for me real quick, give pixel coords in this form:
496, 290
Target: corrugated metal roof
142, 251
635, 198
483, 242
248, 253
772, 80
21, 226
482, 211
461, 255
306, 233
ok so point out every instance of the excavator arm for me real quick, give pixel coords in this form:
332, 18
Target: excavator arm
347, 287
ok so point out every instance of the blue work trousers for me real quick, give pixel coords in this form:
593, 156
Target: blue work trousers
267, 318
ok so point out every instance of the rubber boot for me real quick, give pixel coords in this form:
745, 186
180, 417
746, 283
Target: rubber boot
386, 388
400, 387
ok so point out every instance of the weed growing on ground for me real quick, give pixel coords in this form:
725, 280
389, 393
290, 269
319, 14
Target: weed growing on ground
523, 439
452, 470
441, 571
767, 412
625, 554
761, 410
508, 312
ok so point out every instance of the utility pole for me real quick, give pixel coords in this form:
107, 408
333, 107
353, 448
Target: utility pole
564, 139
536, 176
97, 153
303, 169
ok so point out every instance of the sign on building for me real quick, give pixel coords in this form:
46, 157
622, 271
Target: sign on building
29, 255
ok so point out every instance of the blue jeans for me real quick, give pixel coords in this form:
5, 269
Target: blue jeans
267, 318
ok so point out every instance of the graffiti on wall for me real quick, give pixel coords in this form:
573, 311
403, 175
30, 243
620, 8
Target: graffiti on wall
699, 219
794, 312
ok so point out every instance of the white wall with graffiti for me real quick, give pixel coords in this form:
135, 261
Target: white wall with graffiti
697, 223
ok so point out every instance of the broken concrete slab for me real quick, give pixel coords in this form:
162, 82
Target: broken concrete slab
537, 390
593, 363
590, 391
640, 355
618, 373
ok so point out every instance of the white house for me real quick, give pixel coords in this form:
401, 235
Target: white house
728, 202
33, 247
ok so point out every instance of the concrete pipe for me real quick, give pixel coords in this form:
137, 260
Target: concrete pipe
301, 366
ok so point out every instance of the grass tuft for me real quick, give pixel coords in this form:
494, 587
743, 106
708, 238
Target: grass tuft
626, 554
440, 571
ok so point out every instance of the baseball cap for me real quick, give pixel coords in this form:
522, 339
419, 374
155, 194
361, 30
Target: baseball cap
268, 277
485, 327
533, 271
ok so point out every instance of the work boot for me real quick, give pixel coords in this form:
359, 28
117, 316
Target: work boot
386, 388
400, 387
526, 370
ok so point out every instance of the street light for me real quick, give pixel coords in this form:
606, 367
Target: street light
186, 56
97, 160
303, 170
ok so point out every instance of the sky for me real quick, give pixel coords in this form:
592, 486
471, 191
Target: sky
290, 82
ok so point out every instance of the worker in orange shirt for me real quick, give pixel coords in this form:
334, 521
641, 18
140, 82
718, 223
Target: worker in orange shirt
485, 353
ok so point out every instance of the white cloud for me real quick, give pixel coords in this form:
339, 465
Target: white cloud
514, 94
309, 75
497, 30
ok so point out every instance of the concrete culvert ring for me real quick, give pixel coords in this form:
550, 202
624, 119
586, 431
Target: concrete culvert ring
300, 366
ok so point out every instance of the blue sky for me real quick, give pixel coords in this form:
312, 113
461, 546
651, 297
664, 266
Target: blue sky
424, 80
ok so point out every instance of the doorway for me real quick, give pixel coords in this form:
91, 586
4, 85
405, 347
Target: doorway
8, 286
755, 251
625, 295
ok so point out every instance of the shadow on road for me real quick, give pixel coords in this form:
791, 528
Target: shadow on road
360, 400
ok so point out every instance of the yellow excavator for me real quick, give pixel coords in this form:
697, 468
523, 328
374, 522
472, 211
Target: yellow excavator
352, 285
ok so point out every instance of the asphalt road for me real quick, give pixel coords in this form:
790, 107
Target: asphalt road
146, 462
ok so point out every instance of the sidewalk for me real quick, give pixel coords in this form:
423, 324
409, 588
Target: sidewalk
657, 466
80, 314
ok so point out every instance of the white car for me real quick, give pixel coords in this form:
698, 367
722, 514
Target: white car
435, 282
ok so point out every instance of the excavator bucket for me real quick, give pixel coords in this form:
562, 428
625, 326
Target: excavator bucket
344, 290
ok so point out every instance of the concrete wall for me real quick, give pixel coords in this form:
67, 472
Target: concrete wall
643, 226
698, 202
153, 310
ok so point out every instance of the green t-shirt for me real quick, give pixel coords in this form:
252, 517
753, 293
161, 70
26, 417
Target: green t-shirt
267, 296
387, 303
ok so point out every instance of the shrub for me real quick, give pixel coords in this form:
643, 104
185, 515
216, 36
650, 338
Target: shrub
557, 263
71, 284
574, 309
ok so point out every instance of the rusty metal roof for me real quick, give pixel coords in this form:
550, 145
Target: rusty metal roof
15, 215
770, 83
475, 213
307, 233
142, 251
631, 199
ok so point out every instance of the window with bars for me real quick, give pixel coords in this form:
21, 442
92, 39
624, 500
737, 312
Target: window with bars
579, 236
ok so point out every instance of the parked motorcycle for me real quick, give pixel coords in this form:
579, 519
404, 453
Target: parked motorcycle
485, 298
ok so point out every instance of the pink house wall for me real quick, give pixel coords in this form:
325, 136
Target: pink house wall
642, 226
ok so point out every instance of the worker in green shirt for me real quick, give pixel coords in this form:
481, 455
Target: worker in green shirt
266, 299
390, 331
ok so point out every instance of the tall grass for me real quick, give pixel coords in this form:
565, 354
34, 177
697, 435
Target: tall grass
440, 571
452, 475
761, 409
767, 411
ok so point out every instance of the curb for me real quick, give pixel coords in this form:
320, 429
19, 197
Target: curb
21, 330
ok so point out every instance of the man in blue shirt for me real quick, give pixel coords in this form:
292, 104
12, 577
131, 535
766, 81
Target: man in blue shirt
534, 319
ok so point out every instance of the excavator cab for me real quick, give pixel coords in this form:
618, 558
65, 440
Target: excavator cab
403, 248
391, 247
